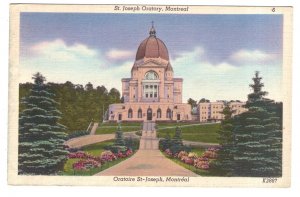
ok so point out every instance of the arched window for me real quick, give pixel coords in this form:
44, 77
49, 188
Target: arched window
151, 75
130, 113
140, 113
169, 113
158, 113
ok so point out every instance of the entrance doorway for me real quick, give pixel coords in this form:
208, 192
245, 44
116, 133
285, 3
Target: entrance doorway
149, 114
178, 116
120, 116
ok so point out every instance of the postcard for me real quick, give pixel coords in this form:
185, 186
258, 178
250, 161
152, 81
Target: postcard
150, 95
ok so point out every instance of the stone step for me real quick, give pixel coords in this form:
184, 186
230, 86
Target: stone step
94, 128
148, 140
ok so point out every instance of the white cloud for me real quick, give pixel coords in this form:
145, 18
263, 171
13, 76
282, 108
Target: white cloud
196, 53
117, 54
252, 56
80, 64
225, 80
59, 47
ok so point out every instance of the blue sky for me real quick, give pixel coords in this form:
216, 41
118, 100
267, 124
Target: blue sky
216, 55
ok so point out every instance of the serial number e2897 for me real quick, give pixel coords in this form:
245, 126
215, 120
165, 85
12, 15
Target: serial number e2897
269, 180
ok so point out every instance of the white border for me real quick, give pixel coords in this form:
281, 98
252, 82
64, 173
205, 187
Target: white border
79, 191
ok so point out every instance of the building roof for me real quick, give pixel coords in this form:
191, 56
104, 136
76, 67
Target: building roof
152, 47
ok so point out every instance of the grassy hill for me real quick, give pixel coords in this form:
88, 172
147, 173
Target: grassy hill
193, 132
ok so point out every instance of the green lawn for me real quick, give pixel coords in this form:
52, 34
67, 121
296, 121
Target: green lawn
98, 148
93, 149
161, 125
122, 124
198, 133
111, 127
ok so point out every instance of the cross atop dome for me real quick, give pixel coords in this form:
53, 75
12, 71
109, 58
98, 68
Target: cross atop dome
152, 30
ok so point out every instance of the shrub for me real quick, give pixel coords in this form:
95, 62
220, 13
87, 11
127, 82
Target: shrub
132, 144
73, 150
176, 148
116, 149
107, 156
211, 153
181, 154
192, 155
202, 163
86, 164
168, 152
165, 143
187, 160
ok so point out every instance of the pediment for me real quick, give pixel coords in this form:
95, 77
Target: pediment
153, 63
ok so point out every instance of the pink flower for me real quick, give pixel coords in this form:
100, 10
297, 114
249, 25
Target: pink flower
168, 152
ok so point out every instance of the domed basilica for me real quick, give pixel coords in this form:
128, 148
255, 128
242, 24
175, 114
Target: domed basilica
152, 93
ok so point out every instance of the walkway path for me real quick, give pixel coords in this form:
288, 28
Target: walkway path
147, 161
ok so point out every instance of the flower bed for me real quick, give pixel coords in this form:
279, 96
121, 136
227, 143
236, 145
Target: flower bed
199, 162
88, 161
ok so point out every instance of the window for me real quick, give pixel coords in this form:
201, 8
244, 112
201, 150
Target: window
140, 113
150, 90
169, 113
151, 75
159, 113
130, 113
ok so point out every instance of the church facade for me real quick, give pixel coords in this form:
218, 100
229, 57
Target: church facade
152, 92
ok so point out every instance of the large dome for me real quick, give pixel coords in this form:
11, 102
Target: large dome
152, 47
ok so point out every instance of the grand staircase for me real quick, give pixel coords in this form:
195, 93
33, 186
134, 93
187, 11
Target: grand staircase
149, 141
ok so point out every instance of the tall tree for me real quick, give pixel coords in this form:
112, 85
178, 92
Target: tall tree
89, 86
41, 137
225, 159
79, 104
114, 95
203, 100
192, 102
257, 136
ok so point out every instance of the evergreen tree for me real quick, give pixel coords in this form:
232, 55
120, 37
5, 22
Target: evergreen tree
119, 138
176, 142
166, 142
177, 139
257, 136
225, 159
41, 137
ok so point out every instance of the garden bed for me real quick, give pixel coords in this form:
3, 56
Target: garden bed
92, 159
197, 161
